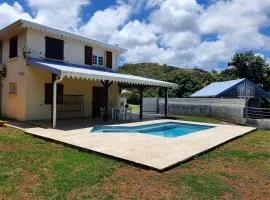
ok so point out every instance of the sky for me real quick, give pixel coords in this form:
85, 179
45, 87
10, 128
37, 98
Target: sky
183, 33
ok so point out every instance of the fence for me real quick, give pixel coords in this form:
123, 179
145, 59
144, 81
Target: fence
150, 104
257, 113
70, 106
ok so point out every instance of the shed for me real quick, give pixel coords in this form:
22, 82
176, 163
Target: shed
239, 88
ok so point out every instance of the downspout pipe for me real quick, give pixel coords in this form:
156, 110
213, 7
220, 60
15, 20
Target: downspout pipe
55, 99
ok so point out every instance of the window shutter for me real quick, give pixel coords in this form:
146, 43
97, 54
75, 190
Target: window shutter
54, 48
1, 53
13, 47
108, 59
60, 93
88, 54
49, 93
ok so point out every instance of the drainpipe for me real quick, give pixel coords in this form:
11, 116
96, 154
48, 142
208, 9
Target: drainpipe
55, 99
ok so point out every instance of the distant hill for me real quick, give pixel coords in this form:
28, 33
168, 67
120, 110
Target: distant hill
189, 80
157, 71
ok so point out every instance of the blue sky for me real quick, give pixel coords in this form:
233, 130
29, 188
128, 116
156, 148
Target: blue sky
187, 33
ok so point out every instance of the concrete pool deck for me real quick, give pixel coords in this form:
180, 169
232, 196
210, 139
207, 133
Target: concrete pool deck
159, 153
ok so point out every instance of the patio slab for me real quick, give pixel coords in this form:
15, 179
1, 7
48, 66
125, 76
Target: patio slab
152, 151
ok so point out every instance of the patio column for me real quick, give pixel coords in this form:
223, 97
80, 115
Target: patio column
55, 100
106, 84
166, 102
53, 79
141, 102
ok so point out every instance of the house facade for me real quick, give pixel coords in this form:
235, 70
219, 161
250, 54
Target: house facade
33, 57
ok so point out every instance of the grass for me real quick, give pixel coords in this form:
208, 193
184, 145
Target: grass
47, 170
203, 186
32, 168
134, 108
196, 119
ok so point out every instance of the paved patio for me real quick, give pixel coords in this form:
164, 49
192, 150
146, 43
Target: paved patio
152, 151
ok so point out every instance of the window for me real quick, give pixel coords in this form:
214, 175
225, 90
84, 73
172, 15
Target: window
100, 60
13, 88
13, 45
108, 59
88, 54
94, 60
49, 93
1, 53
54, 48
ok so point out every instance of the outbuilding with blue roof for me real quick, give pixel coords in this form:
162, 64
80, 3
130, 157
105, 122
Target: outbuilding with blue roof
239, 88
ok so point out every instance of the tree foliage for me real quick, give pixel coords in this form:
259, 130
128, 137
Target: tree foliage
250, 66
242, 65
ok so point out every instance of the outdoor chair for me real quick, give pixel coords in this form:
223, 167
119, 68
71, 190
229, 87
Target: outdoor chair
102, 112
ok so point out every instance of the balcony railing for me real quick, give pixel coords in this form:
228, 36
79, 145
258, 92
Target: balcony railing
257, 113
71, 106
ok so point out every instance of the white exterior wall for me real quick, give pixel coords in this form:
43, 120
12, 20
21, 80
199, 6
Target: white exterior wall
73, 50
14, 105
38, 110
28, 103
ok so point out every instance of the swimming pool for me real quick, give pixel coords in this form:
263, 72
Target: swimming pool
165, 129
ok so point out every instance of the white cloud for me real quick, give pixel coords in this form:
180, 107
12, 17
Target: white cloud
104, 23
227, 16
174, 16
134, 33
64, 14
149, 53
171, 34
180, 40
10, 13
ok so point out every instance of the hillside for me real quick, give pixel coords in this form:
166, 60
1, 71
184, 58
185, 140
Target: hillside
189, 80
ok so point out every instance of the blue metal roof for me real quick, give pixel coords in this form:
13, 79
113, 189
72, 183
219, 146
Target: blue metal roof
215, 89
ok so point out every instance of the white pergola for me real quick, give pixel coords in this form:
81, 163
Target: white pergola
63, 70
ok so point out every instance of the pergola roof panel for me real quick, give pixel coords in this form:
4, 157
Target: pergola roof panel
94, 73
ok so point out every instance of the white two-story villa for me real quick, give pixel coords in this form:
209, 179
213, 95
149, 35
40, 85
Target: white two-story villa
48, 73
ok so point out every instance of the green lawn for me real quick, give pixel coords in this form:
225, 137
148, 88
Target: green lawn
134, 108
32, 168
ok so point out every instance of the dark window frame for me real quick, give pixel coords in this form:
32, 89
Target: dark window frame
109, 59
88, 55
48, 98
54, 48
13, 47
1, 52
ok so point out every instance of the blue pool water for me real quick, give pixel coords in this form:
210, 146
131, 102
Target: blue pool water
165, 129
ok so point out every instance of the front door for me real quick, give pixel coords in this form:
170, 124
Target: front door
98, 100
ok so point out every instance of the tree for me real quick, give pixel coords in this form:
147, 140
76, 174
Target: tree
250, 66
187, 84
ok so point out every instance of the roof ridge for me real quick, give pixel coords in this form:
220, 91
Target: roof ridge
64, 33
230, 80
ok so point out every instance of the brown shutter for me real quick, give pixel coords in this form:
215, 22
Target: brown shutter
49, 93
13, 47
88, 55
60, 93
108, 59
54, 48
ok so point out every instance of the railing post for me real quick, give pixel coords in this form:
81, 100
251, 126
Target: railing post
141, 102
106, 84
53, 79
166, 102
